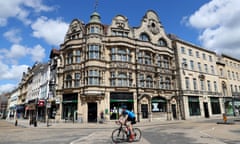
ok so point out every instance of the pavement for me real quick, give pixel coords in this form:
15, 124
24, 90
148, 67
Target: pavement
218, 128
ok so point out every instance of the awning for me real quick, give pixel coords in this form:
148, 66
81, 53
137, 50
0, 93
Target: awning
41, 103
193, 99
30, 107
214, 100
70, 101
121, 100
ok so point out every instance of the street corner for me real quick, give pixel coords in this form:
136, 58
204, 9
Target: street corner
103, 137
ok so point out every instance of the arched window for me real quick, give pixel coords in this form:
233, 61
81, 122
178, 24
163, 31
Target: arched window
168, 83
149, 82
77, 79
162, 42
144, 37
68, 82
122, 79
94, 52
122, 54
147, 58
166, 62
69, 58
93, 77
77, 56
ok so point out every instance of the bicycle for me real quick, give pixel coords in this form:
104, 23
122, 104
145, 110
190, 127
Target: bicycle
121, 135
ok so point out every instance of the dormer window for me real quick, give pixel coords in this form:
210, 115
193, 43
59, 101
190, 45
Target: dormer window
162, 42
144, 37
119, 33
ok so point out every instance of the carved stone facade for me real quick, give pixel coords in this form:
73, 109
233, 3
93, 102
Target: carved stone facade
102, 67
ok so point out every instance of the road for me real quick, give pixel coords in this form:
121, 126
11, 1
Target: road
173, 132
194, 133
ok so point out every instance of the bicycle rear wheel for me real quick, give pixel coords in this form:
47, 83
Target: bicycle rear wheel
137, 133
118, 136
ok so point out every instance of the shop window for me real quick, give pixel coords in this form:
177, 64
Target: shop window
159, 104
215, 105
194, 106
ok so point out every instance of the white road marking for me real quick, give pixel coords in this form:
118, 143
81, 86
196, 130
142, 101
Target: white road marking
82, 138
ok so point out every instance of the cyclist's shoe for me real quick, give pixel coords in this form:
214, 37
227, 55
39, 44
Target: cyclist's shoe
132, 137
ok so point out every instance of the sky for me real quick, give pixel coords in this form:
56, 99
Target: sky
29, 29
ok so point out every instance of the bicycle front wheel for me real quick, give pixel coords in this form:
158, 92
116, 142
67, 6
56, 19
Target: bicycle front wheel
137, 133
118, 136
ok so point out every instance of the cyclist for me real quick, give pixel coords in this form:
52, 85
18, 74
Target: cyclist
128, 118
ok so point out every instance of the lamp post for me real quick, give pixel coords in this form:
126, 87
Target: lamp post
48, 104
137, 88
47, 113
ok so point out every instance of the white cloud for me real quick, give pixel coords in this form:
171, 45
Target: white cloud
10, 69
52, 31
219, 24
13, 35
13, 72
20, 9
3, 21
7, 88
16, 52
37, 53
10, 73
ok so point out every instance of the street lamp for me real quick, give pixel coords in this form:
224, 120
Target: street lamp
137, 87
51, 93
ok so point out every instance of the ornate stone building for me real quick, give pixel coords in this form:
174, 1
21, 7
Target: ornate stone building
101, 67
98, 68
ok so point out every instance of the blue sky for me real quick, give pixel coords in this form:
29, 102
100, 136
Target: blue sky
30, 28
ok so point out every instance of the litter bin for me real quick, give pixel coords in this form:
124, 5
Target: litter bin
224, 117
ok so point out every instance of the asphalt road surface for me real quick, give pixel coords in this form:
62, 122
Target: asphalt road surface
178, 132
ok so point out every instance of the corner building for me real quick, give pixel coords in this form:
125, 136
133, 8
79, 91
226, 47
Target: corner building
102, 67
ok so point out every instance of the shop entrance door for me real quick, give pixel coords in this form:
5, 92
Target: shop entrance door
174, 111
144, 109
92, 112
206, 112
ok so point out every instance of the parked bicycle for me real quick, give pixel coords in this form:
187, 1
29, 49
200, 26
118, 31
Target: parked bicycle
121, 135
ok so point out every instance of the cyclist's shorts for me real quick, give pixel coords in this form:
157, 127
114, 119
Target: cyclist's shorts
132, 120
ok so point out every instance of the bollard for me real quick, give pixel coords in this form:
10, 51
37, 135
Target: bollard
16, 122
35, 123
224, 118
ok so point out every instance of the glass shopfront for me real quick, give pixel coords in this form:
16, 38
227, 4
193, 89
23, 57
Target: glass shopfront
228, 104
194, 106
215, 104
236, 106
69, 103
117, 99
159, 104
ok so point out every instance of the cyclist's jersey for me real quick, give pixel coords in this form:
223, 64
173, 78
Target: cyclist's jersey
130, 114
